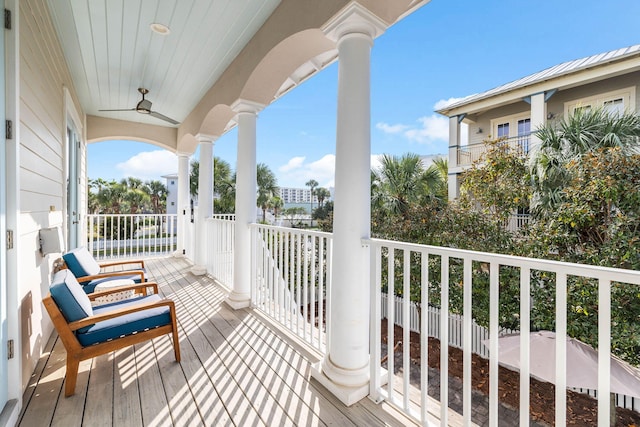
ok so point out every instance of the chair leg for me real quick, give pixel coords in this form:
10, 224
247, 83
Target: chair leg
72, 375
176, 342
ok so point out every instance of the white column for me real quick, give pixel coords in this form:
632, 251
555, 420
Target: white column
454, 145
538, 115
205, 202
345, 368
183, 202
246, 184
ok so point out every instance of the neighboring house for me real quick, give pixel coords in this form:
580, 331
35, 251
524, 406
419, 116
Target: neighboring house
172, 193
515, 110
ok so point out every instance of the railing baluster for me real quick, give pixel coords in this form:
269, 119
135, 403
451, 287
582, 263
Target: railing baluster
466, 320
406, 331
604, 351
561, 349
444, 340
424, 336
390, 321
494, 286
525, 307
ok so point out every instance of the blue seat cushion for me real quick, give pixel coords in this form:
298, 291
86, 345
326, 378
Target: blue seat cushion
69, 296
124, 325
90, 287
81, 263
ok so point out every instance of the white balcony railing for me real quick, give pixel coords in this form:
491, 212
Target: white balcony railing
391, 267
469, 154
291, 279
131, 235
220, 237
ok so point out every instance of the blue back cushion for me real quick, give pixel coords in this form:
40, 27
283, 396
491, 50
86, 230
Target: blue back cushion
69, 296
81, 263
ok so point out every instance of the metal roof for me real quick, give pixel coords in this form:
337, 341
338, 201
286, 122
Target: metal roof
547, 74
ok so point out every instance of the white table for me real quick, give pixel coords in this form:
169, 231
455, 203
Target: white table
117, 296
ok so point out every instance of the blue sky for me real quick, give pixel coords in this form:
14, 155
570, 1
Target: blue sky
447, 49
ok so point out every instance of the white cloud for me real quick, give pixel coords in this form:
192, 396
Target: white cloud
433, 128
296, 172
387, 128
430, 129
445, 102
292, 164
149, 165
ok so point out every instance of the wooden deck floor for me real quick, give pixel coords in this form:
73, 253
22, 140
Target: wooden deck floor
236, 369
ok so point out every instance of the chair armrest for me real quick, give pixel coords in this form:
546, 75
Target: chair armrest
112, 263
138, 286
112, 274
91, 320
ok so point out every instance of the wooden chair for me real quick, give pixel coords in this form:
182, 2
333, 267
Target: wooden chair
88, 331
90, 273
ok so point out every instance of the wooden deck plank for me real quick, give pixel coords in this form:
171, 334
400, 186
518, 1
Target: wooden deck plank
70, 410
155, 408
100, 391
235, 403
290, 384
48, 389
266, 407
127, 410
182, 405
37, 372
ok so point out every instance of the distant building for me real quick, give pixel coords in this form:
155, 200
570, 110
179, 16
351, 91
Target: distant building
172, 193
296, 195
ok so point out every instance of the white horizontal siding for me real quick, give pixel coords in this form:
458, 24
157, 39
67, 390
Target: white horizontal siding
43, 74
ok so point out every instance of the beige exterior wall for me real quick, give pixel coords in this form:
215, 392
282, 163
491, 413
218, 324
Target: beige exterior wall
42, 169
555, 105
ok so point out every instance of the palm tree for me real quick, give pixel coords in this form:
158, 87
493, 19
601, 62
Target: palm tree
322, 194
194, 175
157, 193
585, 131
402, 182
111, 197
267, 187
312, 184
276, 203
441, 165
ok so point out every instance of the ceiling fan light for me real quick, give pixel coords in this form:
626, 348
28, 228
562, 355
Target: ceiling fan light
159, 28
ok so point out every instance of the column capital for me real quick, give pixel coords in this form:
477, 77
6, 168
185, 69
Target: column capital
204, 138
183, 154
354, 18
246, 106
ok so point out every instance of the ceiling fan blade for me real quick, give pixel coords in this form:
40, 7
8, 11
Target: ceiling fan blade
163, 117
121, 109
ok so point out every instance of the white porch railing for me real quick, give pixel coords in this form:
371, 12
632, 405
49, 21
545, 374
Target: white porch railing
220, 237
129, 235
478, 334
394, 259
291, 274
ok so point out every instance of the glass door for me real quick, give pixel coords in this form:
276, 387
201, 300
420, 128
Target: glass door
73, 211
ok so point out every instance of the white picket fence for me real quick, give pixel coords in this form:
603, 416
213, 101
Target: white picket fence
478, 334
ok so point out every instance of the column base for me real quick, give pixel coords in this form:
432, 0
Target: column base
347, 394
237, 301
198, 270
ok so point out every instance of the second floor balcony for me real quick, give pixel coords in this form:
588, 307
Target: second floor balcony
470, 154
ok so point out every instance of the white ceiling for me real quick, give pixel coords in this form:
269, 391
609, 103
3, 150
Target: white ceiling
111, 50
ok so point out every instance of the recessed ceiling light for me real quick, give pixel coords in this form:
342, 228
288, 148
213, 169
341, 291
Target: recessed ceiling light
160, 28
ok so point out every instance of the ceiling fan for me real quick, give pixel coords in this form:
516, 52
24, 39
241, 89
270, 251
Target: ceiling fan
144, 107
